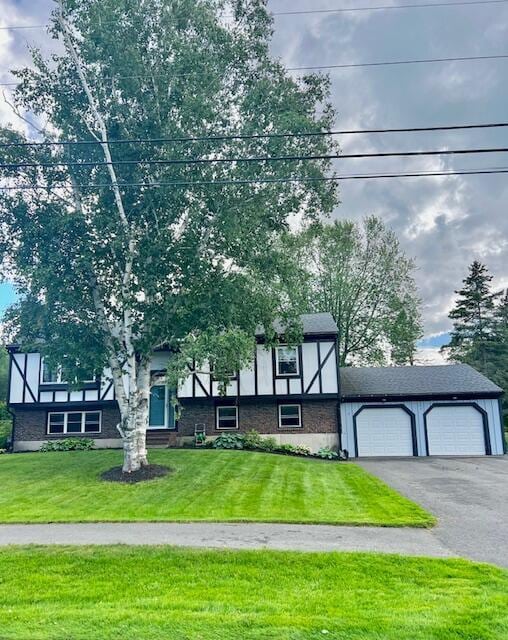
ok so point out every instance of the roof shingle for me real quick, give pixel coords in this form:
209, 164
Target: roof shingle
414, 381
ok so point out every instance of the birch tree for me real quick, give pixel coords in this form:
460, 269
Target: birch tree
121, 234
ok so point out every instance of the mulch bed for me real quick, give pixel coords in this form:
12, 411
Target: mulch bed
145, 473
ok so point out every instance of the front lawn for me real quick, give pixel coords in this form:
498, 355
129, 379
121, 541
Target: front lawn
161, 593
228, 486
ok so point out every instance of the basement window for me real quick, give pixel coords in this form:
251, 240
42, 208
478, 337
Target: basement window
290, 416
74, 422
227, 418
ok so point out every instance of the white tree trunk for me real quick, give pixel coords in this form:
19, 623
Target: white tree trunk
134, 415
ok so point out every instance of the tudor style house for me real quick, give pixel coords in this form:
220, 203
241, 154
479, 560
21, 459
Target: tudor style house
289, 392
296, 394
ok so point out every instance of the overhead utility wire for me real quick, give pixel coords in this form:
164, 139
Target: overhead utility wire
294, 158
254, 136
349, 65
291, 179
422, 5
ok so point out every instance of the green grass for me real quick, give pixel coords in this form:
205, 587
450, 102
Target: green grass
206, 485
157, 593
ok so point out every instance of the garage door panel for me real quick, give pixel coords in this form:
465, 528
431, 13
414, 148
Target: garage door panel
384, 432
455, 431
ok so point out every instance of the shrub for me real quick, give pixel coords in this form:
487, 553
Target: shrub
69, 444
300, 450
229, 441
5, 432
327, 454
252, 440
268, 444
285, 448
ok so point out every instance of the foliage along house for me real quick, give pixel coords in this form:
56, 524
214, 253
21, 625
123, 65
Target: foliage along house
297, 394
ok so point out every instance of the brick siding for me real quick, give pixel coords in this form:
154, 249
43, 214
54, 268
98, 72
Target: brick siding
319, 416
31, 424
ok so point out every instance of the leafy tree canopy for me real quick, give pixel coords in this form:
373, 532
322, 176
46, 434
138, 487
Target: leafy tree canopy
108, 271
360, 275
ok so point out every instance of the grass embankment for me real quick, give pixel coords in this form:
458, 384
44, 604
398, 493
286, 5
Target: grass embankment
227, 486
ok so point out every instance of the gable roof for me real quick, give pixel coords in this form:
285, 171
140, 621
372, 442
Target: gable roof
314, 324
440, 380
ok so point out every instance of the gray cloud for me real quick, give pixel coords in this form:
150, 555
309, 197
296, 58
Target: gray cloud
444, 223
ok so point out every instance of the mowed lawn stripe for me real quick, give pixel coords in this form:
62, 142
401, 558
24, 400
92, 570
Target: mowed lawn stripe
162, 592
208, 485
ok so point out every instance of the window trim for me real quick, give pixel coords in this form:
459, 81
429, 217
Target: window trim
83, 413
290, 426
226, 406
277, 372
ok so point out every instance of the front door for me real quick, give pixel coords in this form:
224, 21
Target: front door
161, 413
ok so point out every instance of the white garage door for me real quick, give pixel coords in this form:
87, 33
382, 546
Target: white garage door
384, 432
455, 431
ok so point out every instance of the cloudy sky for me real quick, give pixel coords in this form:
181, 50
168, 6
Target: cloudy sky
444, 223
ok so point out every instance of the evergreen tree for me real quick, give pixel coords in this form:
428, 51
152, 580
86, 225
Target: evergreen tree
473, 317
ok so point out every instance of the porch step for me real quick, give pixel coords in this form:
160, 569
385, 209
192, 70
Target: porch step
160, 438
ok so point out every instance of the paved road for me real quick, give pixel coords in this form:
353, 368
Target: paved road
233, 536
468, 495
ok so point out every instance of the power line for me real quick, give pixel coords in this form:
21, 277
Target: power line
348, 65
290, 179
293, 158
254, 136
422, 5
396, 62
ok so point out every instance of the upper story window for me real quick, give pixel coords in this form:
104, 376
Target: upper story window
49, 375
161, 413
54, 375
287, 361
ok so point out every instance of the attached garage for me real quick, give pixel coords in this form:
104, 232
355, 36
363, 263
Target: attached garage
449, 410
457, 430
385, 431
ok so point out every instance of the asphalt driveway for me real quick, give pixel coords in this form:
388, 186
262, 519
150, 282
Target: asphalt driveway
468, 495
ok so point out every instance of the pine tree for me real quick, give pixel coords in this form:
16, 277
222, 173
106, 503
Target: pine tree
473, 318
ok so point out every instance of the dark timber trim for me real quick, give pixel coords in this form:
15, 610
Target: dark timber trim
501, 422
23, 377
483, 413
366, 407
424, 396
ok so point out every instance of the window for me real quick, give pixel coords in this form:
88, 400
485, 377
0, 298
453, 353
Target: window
287, 361
49, 375
227, 417
290, 416
72, 422
161, 413
54, 376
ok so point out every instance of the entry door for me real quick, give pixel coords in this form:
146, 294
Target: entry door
455, 431
161, 413
384, 431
